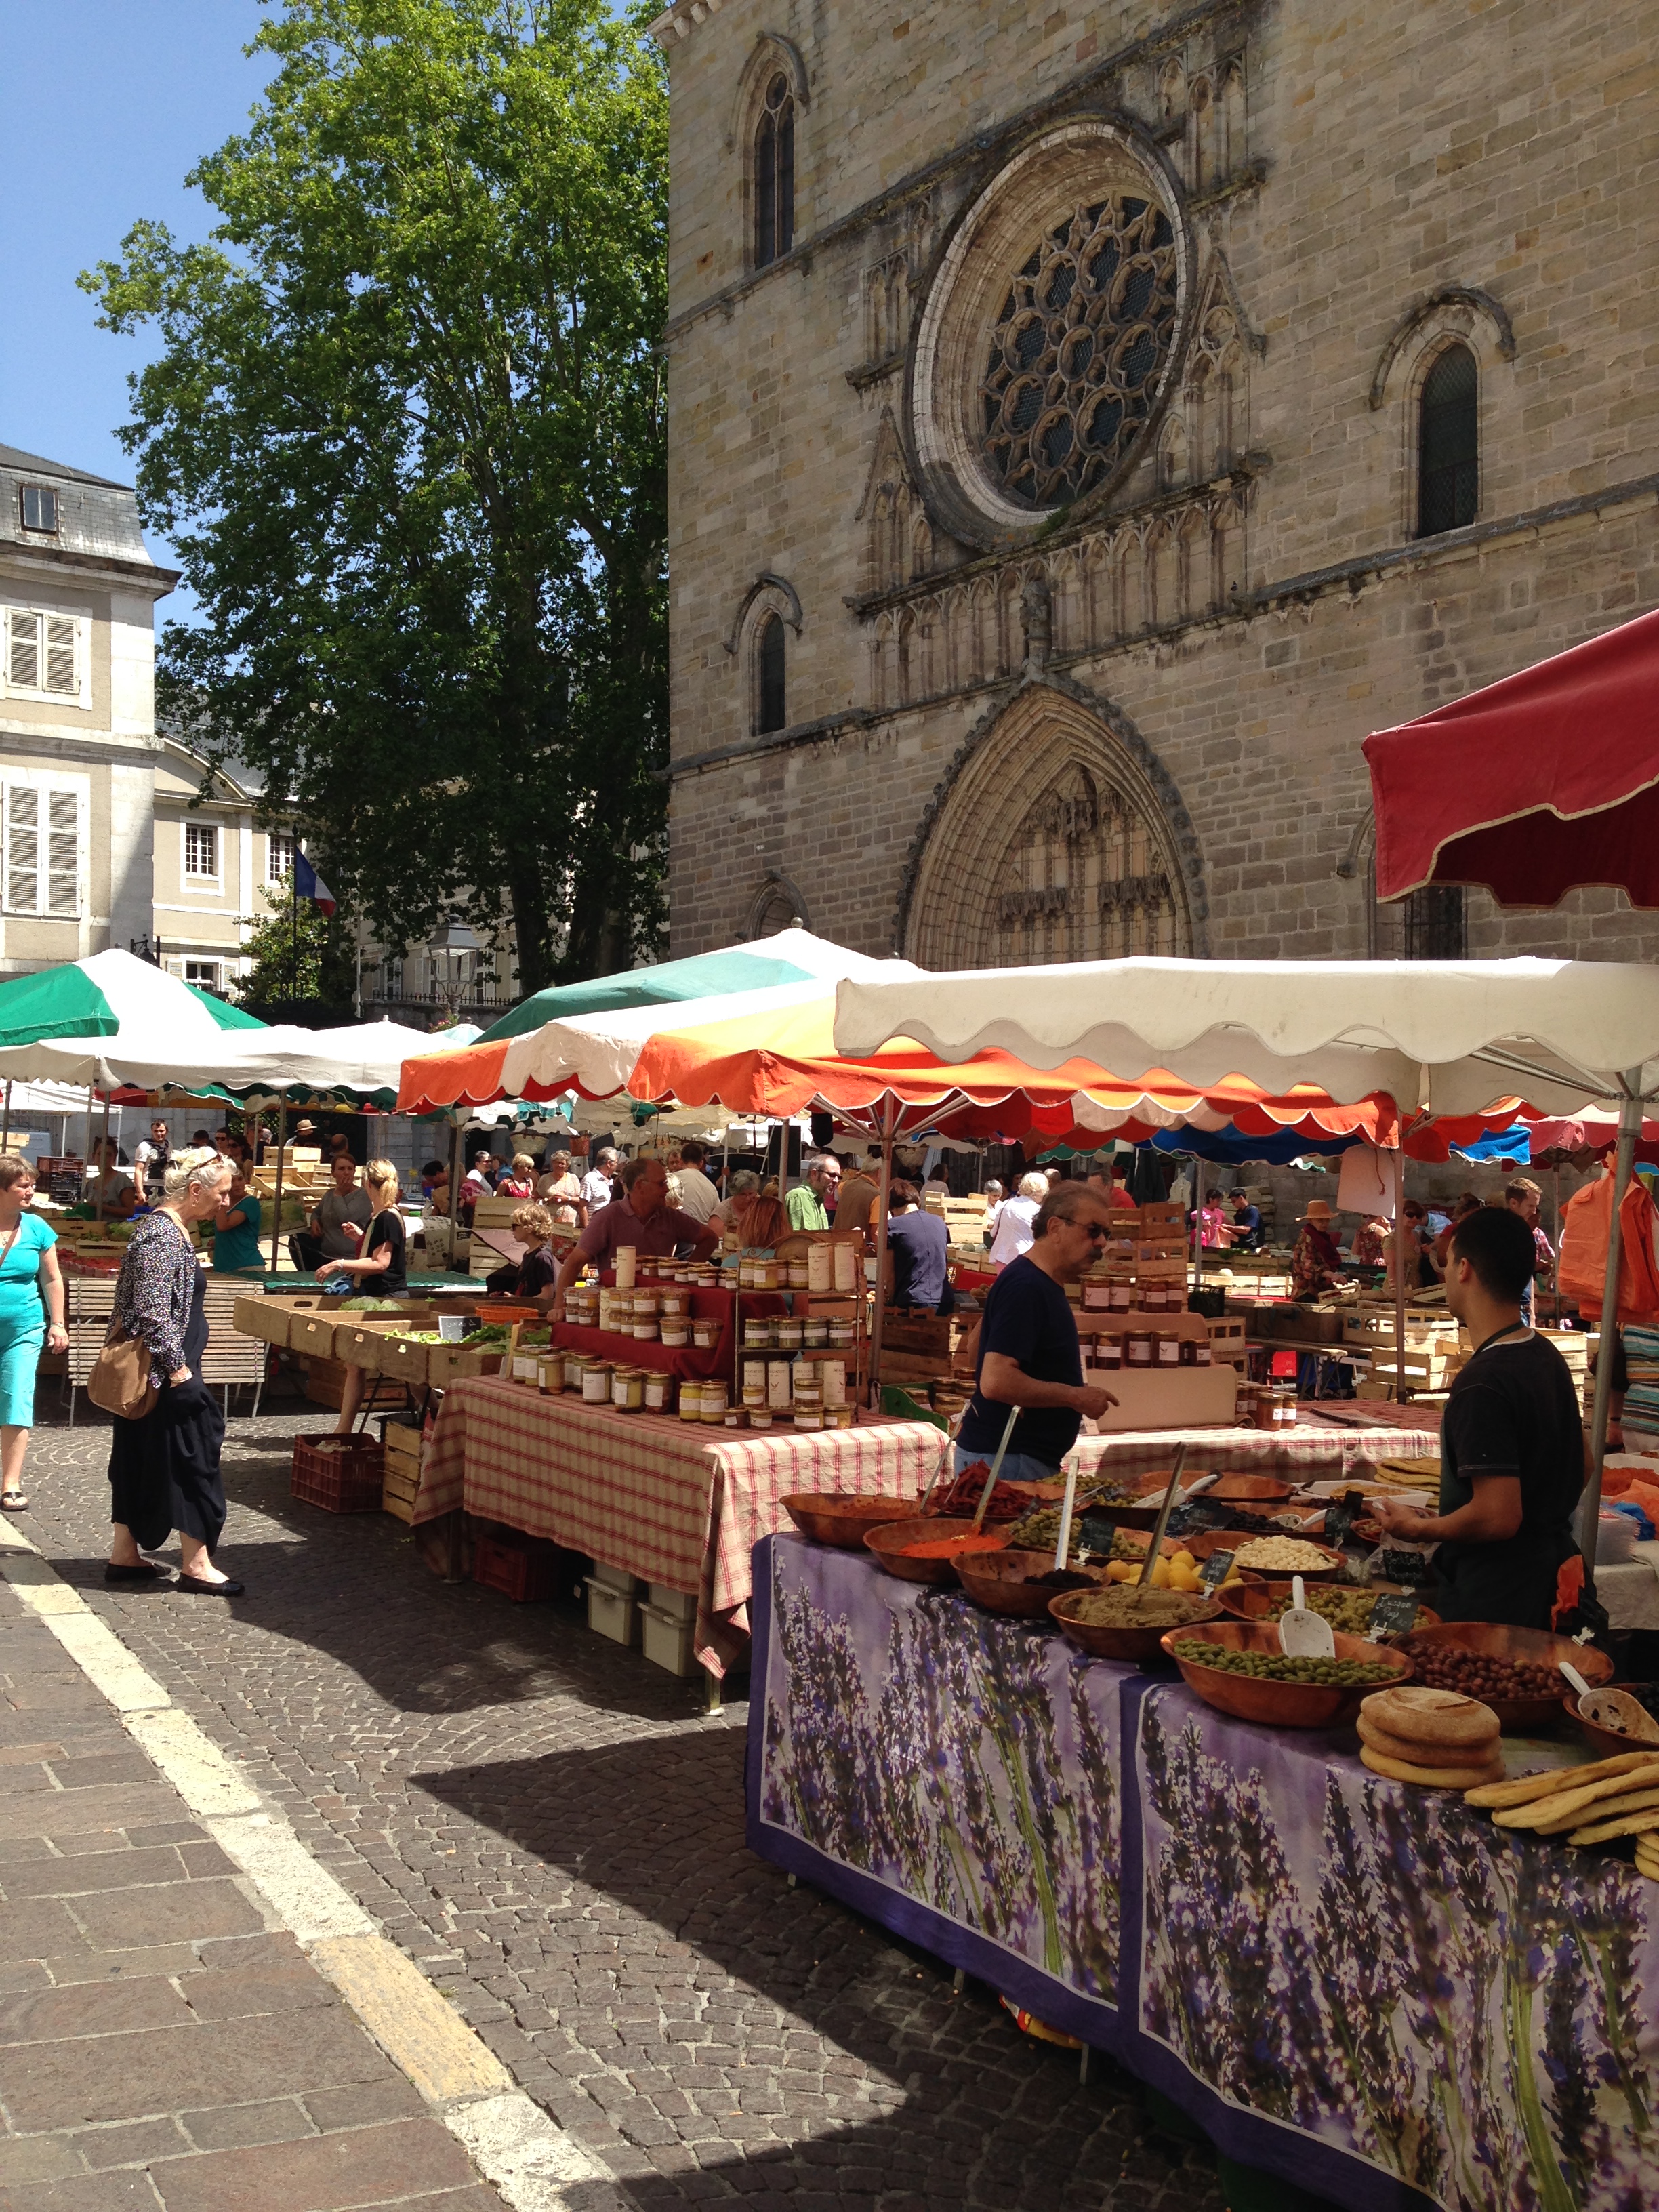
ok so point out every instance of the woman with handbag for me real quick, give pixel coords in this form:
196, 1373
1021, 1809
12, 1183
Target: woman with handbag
164, 1463
31, 1290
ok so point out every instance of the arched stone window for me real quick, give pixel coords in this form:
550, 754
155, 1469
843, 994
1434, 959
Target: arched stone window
1449, 443
770, 702
775, 173
1054, 842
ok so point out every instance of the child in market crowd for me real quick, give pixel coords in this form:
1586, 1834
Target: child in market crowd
528, 1278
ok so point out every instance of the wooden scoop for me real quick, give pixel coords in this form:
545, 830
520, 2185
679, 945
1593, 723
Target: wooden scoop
1304, 1633
1612, 1709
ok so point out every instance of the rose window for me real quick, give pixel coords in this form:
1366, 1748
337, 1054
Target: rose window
1077, 351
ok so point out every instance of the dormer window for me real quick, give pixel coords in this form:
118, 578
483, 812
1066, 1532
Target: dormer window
40, 504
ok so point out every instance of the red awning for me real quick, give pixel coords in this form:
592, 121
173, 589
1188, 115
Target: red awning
1542, 782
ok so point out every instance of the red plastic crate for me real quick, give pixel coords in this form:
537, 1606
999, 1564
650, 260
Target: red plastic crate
341, 1474
528, 1576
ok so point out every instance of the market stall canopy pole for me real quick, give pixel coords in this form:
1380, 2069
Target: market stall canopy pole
1445, 1037
1589, 1511
1534, 786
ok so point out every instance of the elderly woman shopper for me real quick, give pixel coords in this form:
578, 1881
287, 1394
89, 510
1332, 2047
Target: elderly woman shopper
31, 1309
164, 1468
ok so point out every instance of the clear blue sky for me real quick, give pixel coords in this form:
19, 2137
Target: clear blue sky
110, 103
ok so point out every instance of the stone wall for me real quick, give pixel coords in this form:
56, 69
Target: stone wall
1247, 601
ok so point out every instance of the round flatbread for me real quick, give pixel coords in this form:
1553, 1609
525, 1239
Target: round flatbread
1430, 1777
1425, 1715
1415, 1755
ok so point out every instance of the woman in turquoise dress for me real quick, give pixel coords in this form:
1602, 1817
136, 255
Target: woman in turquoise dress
31, 1313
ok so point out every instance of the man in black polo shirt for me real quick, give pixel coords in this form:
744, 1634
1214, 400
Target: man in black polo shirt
1512, 1460
1028, 1353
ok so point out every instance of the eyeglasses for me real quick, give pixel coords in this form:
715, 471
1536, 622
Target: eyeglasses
1096, 1230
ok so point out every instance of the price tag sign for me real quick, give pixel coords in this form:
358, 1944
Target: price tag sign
1216, 1569
1340, 1515
1394, 1612
1094, 1532
452, 1327
1196, 1517
1408, 1567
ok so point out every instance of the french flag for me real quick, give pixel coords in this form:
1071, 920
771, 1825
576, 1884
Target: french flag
308, 885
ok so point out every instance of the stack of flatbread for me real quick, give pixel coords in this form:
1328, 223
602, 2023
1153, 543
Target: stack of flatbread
1437, 1739
1600, 1803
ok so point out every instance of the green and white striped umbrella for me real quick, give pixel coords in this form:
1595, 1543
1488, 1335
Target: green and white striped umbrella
66, 1024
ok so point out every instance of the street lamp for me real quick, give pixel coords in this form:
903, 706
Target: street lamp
454, 949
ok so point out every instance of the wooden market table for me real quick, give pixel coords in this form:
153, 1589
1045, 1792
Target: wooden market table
671, 1501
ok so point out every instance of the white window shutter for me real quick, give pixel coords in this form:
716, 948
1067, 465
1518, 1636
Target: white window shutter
62, 852
22, 848
24, 665
60, 654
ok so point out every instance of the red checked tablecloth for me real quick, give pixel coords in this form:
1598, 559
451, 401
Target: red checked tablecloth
664, 1498
1311, 1452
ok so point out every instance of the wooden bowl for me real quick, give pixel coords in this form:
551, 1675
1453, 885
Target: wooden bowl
1282, 1705
1135, 1647
997, 1581
888, 1541
1607, 1742
1256, 1597
1535, 1645
1233, 1539
1249, 1490
830, 1517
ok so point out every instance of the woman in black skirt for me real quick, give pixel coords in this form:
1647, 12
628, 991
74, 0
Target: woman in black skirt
164, 1468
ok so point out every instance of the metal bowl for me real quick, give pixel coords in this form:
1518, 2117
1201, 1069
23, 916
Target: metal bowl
829, 1518
1250, 1490
1535, 1645
1607, 1742
1227, 1540
1135, 1647
888, 1540
1282, 1705
1256, 1599
997, 1581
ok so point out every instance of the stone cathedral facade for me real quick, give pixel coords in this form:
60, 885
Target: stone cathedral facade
1087, 423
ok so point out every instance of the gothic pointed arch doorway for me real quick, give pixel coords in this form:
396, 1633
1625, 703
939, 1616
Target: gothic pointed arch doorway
1057, 836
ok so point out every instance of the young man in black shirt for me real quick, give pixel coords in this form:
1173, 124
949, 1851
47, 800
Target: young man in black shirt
1028, 1353
1512, 1458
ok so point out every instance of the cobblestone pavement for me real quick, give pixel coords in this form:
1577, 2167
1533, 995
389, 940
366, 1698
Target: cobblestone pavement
553, 1830
158, 2047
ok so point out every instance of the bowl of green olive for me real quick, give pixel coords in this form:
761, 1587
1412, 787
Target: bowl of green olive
1237, 1667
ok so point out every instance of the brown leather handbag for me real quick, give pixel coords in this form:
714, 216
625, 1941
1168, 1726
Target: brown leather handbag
119, 1381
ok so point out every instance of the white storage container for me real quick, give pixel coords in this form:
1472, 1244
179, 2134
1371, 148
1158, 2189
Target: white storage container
667, 1641
612, 1612
617, 1578
674, 1603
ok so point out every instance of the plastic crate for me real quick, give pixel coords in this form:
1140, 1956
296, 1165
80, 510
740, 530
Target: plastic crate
527, 1573
667, 1641
340, 1475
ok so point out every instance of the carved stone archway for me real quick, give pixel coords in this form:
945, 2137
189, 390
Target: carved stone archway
1056, 836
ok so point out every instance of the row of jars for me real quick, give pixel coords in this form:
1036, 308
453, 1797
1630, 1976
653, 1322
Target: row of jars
782, 1333
822, 1268
1121, 1295
781, 1384
1146, 1347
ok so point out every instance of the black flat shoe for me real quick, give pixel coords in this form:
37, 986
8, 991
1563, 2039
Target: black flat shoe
143, 1572
199, 1589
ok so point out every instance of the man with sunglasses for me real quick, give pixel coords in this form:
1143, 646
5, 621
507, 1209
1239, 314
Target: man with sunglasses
1027, 1354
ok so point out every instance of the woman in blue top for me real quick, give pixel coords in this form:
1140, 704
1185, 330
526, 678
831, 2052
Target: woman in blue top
236, 1228
31, 1288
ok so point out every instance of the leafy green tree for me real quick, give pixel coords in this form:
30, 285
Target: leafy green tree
407, 431
302, 958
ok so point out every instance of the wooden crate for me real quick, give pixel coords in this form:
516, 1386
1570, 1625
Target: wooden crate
400, 1486
404, 1360
311, 1332
454, 1362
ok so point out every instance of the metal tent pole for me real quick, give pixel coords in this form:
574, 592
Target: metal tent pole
1398, 1247
1630, 1128
103, 1164
889, 1117
5, 1132
277, 1203
1198, 1221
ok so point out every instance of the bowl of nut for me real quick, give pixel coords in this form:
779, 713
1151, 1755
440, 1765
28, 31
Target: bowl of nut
1274, 1556
1516, 1671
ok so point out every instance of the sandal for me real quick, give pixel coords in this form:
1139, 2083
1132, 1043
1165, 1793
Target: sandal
13, 1501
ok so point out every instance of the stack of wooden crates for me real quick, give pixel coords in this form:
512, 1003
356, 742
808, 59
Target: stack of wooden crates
401, 1435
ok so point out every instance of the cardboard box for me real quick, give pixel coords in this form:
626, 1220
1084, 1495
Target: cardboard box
1169, 1398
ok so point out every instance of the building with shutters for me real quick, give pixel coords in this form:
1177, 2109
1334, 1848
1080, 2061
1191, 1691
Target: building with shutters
77, 715
1087, 423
